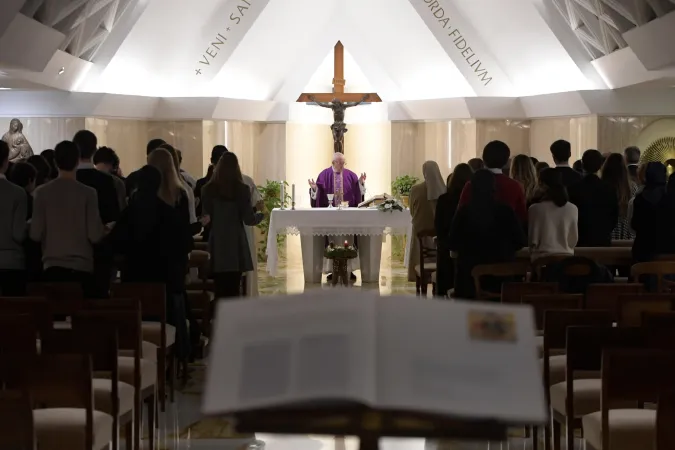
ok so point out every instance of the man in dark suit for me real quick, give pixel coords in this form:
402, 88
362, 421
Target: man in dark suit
132, 180
561, 151
103, 183
597, 203
632, 156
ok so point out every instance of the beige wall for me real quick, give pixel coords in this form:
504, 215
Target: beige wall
128, 138
413, 143
515, 133
581, 132
464, 146
617, 133
186, 136
260, 147
368, 149
45, 132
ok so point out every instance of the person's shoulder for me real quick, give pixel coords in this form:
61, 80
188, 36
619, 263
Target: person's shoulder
11, 188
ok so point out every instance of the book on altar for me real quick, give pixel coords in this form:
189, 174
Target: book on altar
450, 358
374, 201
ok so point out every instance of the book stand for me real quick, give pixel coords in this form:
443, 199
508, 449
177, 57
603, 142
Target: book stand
367, 424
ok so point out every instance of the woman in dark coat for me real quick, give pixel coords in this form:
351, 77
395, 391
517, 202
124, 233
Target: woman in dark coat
226, 205
485, 231
445, 212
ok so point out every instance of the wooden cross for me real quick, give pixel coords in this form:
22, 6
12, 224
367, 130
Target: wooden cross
338, 83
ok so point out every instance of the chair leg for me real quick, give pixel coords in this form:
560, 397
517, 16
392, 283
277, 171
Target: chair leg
138, 416
172, 373
535, 437
547, 436
556, 435
418, 285
129, 435
569, 433
161, 379
152, 406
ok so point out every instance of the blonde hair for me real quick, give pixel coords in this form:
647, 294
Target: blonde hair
522, 170
171, 187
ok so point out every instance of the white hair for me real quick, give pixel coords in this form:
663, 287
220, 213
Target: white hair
337, 156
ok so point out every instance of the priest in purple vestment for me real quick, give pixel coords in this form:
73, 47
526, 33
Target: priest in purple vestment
344, 184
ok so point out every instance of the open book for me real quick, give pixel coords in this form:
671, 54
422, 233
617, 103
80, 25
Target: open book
374, 201
460, 359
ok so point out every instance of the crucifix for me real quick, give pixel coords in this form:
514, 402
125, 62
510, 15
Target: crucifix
339, 100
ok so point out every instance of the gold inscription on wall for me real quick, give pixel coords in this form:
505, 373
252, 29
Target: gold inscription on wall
460, 43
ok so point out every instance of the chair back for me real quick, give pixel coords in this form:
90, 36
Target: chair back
18, 334
658, 319
557, 321
428, 249
657, 268
516, 269
64, 298
152, 298
37, 307
123, 314
543, 303
665, 418
630, 308
586, 343
605, 295
514, 292
539, 264
101, 345
17, 430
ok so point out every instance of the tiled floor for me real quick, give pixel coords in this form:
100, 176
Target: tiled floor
183, 427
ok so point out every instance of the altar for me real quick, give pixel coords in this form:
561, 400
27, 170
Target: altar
314, 224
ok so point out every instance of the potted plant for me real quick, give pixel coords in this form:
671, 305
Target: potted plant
271, 194
401, 187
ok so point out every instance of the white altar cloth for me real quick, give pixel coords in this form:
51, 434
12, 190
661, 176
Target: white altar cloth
313, 224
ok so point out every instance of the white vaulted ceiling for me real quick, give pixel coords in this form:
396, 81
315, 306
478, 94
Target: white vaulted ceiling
275, 49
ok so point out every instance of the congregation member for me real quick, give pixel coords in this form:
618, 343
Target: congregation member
227, 206
24, 175
561, 151
171, 191
476, 164
578, 166
553, 221
216, 152
189, 179
597, 203
446, 207
342, 183
192, 212
155, 242
632, 156
534, 160
615, 173
13, 201
423, 200
522, 170
48, 156
44, 170
541, 165
653, 218
67, 223
484, 231
132, 180
102, 183
106, 160
495, 156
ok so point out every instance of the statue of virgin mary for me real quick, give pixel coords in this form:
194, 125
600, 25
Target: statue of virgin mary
19, 148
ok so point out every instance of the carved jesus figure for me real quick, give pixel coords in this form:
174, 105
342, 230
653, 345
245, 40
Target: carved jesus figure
19, 148
338, 128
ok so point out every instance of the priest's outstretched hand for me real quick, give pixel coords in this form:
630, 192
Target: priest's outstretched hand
312, 184
362, 179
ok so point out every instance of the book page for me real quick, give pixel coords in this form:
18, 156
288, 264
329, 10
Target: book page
295, 349
470, 359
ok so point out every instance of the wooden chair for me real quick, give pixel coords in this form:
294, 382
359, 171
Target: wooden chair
517, 269
65, 299
541, 263
584, 353
125, 316
658, 319
665, 418
153, 303
427, 263
61, 390
543, 303
657, 268
514, 292
17, 430
629, 375
630, 308
605, 295
18, 335
38, 308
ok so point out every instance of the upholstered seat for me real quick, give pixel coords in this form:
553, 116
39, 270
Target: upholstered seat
148, 349
428, 267
587, 395
103, 399
152, 330
629, 429
64, 428
557, 365
148, 371
539, 340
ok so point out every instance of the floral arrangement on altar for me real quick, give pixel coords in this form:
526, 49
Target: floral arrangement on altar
345, 251
390, 205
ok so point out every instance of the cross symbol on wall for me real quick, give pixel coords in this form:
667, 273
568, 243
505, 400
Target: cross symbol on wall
228, 29
198, 71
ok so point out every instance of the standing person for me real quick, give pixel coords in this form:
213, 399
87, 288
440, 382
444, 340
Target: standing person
48, 156
423, 199
632, 156
344, 184
495, 155
227, 206
615, 173
24, 175
106, 160
67, 223
561, 151
445, 212
476, 164
597, 203
553, 222
522, 170
196, 226
132, 180
484, 231
12, 231
44, 170
189, 179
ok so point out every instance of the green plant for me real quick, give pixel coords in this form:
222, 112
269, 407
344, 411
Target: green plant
402, 185
271, 194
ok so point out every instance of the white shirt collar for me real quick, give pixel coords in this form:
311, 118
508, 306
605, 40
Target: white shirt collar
496, 171
86, 165
562, 164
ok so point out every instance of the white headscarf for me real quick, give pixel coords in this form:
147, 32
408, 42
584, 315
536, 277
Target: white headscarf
435, 183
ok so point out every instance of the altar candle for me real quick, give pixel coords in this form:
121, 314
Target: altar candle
346, 244
283, 196
292, 194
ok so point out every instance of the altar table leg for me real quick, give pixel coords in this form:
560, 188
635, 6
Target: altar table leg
369, 443
370, 249
312, 258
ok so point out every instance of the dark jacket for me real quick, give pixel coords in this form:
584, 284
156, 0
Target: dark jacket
654, 225
103, 183
569, 175
446, 207
598, 207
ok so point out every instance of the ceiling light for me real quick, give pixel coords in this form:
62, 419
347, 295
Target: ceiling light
5, 88
63, 69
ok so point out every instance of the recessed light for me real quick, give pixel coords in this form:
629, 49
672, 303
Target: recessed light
63, 69
5, 89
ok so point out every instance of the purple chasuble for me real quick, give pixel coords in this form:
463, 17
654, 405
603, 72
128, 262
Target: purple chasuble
325, 184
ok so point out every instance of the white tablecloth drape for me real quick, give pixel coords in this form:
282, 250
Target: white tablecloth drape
334, 222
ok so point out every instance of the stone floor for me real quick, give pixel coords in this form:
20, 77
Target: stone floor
183, 427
